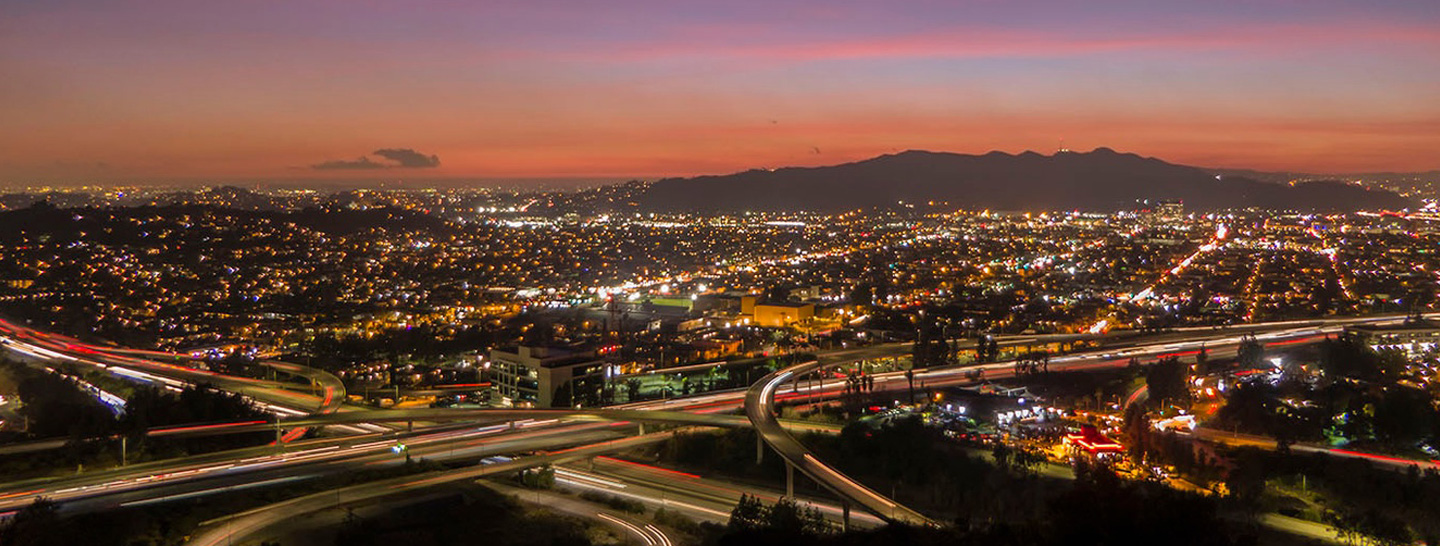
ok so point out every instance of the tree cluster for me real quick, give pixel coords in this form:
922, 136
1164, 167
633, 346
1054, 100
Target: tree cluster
1364, 502
58, 407
1358, 398
785, 517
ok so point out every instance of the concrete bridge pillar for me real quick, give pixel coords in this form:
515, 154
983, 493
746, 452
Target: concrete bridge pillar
790, 480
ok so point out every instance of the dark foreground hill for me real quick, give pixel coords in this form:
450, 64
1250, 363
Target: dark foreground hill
1100, 180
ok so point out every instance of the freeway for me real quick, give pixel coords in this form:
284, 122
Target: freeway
437, 415
451, 442
1265, 442
444, 415
240, 527
168, 479
701, 498
278, 397
725, 400
213, 473
252, 467
651, 534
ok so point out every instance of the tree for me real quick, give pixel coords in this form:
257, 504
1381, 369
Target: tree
863, 295
1403, 416
538, 478
564, 395
779, 292
55, 406
1253, 407
986, 349
748, 515
1419, 300
150, 407
632, 389
784, 518
788, 517
37, 524
1250, 352
930, 348
539, 334
1027, 461
1103, 509
1369, 527
1137, 431
1349, 357
1325, 294
1168, 381
1391, 362
1001, 453
1246, 480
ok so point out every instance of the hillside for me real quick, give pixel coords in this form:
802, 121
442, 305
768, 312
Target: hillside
1099, 180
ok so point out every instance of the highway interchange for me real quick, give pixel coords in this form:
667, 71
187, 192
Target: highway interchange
450, 435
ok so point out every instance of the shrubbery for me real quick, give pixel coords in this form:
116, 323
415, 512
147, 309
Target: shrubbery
619, 503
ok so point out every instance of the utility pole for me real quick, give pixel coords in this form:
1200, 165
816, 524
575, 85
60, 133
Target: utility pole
821, 374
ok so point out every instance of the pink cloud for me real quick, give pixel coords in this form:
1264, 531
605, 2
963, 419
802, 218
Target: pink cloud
747, 44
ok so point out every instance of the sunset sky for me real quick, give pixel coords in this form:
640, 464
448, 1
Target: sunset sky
257, 90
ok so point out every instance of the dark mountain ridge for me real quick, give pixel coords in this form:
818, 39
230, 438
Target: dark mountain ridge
1101, 180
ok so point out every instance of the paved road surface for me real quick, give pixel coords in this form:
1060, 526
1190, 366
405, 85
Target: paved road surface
246, 525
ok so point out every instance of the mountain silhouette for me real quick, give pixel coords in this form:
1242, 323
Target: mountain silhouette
1100, 180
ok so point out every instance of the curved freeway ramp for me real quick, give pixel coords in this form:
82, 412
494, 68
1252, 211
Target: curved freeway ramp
155, 367
760, 409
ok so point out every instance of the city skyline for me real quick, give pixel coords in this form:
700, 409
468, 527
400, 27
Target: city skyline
327, 91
